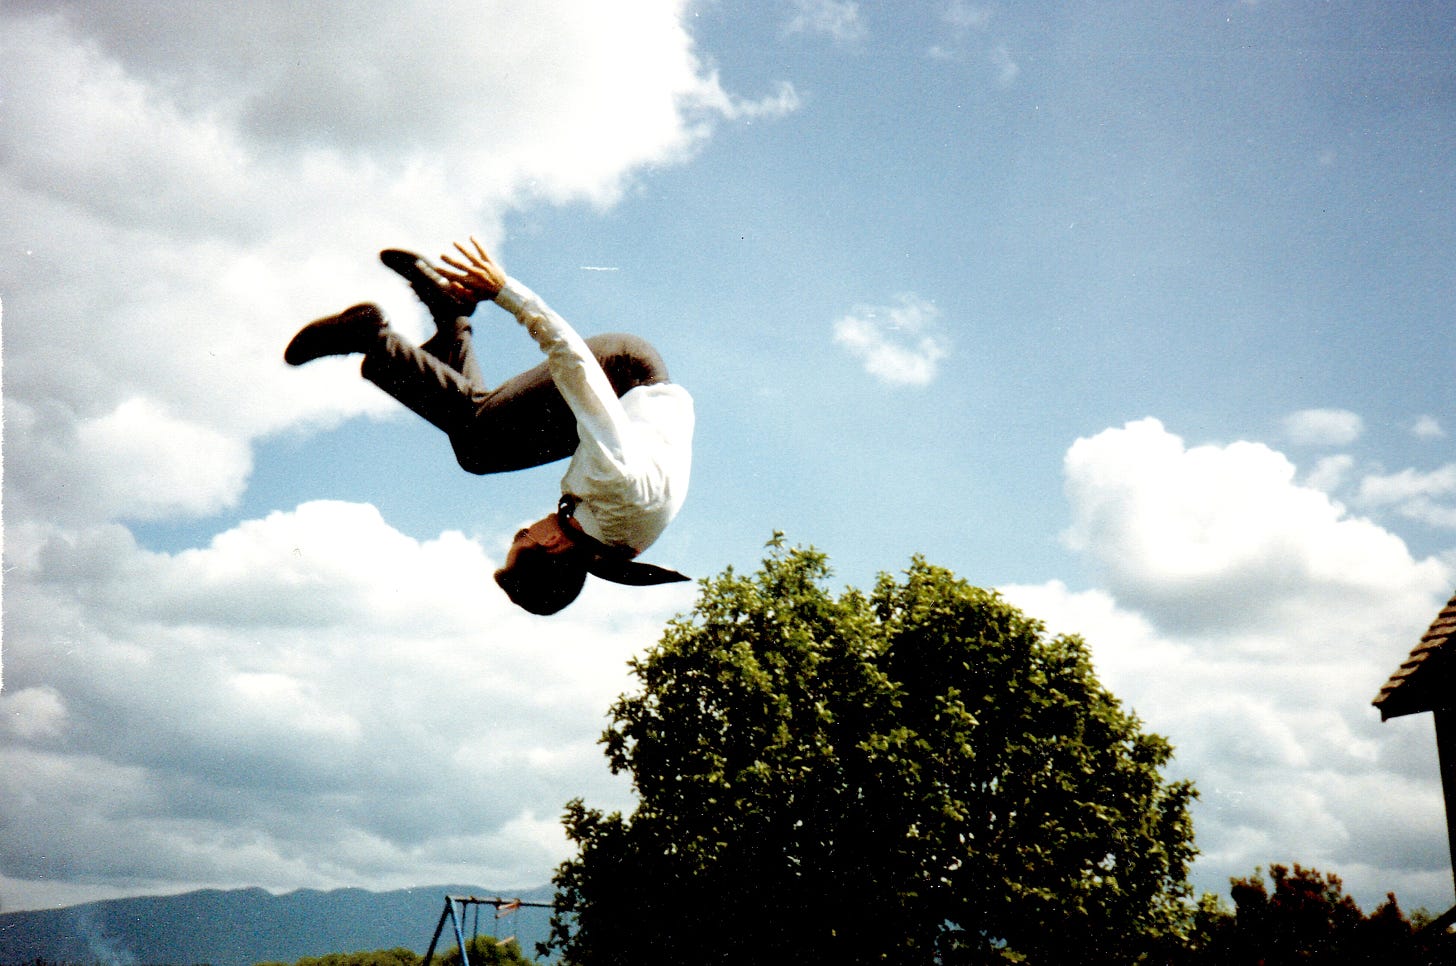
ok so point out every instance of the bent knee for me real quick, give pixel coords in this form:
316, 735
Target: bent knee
470, 458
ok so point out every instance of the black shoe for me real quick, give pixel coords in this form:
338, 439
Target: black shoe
421, 276
353, 330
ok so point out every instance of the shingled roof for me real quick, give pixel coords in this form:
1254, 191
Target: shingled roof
1427, 679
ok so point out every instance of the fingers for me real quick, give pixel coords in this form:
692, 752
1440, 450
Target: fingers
480, 258
455, 278
464, 268
476, 272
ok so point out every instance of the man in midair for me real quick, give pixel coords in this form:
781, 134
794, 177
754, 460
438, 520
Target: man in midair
604, 402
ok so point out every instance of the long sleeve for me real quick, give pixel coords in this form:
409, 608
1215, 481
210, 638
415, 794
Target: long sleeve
634, 455
574, 369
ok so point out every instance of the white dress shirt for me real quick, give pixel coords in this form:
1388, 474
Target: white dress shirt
630, 470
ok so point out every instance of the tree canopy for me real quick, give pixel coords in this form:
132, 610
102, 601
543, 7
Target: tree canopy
483, 950
918, 774
1307, 918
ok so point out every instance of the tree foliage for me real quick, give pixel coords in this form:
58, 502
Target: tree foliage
919, 774
1306, 918
487, 951
483, 950
398, 956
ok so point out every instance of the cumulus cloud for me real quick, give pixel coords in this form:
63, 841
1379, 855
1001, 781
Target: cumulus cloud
137, 460
313, 698
1323, 427
899, 344
1223, 537
402, 82
249, 175
1252, 620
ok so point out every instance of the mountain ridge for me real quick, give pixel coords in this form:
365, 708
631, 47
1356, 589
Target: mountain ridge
240, 927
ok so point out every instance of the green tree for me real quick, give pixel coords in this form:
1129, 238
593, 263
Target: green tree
487, 951
483, 950
1303, 916
920, 774
398, 956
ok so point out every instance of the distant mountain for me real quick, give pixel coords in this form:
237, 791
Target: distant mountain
240, 927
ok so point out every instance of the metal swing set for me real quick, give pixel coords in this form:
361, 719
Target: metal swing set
455, 911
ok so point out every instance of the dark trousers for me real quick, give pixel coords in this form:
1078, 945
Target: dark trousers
522, 422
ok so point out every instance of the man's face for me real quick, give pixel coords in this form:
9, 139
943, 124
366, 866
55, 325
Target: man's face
545, 532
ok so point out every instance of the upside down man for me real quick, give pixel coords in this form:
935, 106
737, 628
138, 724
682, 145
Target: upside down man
605, 403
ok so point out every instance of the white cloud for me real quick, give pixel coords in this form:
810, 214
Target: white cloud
1429, 497
1330, 473
299, 701
402, 82
313, 699
782, 102
1427, 427
837, 19
250, 175
1398, 487
1007, 69
968, 24
1252, 621
1323, 427
136, 459
897, 344
32, 713
1222, 537
963, 16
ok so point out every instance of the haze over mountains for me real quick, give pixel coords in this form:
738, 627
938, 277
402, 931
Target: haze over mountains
240, 927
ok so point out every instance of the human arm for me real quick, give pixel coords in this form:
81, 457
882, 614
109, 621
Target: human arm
574, 368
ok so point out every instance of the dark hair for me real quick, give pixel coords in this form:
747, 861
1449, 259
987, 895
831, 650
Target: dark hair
541, 581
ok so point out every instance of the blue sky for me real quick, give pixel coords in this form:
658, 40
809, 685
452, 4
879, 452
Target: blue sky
1139, 312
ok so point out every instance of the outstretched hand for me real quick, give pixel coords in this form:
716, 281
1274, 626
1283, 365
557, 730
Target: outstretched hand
478, 277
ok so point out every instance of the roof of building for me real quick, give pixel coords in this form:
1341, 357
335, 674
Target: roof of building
1427, 679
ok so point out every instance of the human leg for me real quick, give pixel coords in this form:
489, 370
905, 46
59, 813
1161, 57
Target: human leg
451, 343
522, 423
523, 429
526, 422
423, 381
